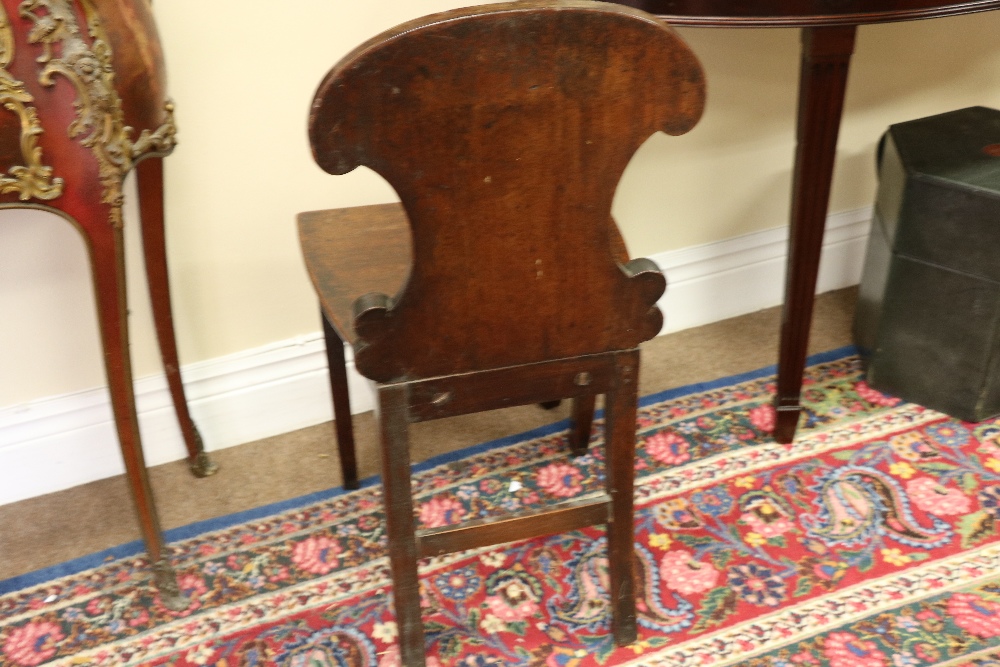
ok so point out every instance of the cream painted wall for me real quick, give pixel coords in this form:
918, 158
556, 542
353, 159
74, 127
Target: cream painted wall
732, 173
243, 74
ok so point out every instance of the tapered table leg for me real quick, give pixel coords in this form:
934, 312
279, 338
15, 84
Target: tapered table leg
149, 174
826, 57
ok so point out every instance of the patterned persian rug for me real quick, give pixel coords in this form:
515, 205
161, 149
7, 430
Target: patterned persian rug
869, 542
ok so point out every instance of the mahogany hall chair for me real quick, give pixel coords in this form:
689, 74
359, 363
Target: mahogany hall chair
83, 91
504, 129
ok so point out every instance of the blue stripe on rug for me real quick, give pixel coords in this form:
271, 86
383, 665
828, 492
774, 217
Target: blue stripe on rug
136, 547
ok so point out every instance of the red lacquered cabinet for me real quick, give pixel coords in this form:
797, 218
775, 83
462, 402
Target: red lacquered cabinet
84, 101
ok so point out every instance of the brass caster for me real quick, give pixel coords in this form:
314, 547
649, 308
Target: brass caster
202, 466
165, 580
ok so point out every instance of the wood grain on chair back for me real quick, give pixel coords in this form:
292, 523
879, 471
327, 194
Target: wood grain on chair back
505, 130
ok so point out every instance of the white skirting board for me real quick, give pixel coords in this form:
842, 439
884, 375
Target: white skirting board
716, 281
63, 441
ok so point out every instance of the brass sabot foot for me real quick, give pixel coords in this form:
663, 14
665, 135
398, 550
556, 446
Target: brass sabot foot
202, 466
165, 580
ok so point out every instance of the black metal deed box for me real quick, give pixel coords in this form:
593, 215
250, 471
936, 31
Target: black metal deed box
928, 318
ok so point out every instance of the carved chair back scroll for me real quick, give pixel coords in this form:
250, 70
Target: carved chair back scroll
83, 102
505, 151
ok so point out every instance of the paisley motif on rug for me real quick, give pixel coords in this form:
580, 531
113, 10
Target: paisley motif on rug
871, 541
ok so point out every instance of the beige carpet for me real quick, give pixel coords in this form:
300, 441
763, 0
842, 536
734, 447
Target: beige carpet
50, 529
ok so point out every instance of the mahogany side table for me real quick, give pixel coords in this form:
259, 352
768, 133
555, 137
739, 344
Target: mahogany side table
828, 31
83, 92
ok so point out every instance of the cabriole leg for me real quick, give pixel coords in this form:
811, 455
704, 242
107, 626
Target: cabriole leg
149, 174
108, 261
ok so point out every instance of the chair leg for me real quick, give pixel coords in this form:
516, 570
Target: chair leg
149, 174
580, 423
400, 524
342, 419
619, 429
107, 256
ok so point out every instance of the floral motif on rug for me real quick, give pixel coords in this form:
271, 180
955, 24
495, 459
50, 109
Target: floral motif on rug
871, 541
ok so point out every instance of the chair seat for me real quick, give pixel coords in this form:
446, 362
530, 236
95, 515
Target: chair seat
350, 252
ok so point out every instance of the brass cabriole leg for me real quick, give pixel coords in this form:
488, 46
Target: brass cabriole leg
619, 429
393, 421
342, 419
107, 255
149, 174
826, 57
